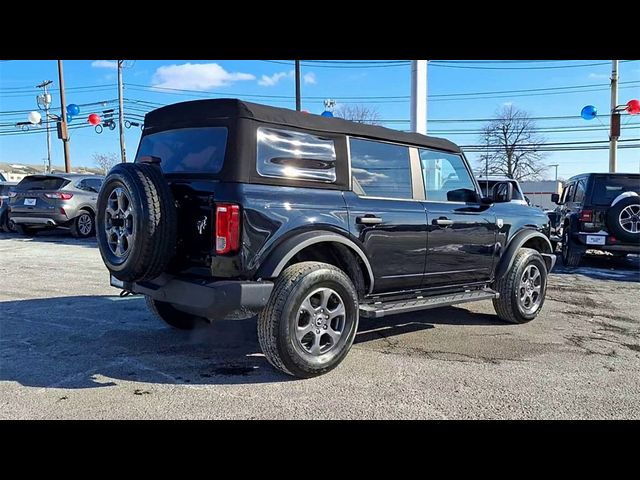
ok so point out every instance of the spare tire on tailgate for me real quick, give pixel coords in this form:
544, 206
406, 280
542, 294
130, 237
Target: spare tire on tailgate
136, 222
623, 219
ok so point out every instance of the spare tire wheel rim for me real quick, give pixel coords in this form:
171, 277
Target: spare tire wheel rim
629, 218
119, 223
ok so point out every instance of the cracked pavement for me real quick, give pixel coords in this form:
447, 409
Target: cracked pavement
70, 347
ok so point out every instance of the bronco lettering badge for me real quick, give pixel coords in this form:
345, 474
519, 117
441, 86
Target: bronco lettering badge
201, 225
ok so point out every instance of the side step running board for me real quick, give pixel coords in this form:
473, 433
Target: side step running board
381, 309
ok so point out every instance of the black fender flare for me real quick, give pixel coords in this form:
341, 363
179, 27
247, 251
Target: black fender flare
516, 243
280, 255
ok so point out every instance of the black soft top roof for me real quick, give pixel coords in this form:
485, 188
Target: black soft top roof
179, 113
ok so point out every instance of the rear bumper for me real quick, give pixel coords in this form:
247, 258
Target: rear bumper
38, 219
580, 239
215, 299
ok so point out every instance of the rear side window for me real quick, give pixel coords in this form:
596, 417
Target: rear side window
579, 196
380, 169
35, 182
606, 189
189, 150
295, 155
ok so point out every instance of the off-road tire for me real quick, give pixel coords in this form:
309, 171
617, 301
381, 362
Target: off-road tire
28, 231
613, 219
571, 256
173, 317
276, 319
507, 305
75, 228
154, 218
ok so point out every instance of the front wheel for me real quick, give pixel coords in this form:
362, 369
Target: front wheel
310, 321
522, 289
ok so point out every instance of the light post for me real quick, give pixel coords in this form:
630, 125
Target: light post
556, 167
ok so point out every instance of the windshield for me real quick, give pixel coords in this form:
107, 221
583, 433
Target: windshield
192, 150
35, 182
606, 189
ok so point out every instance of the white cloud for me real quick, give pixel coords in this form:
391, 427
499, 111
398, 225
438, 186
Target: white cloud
104, 64
309, 78
196, 76
270, 81
507, 104
598, 76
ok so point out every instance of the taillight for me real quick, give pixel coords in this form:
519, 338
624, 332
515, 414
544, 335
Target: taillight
227, 228
59, 195
586, 215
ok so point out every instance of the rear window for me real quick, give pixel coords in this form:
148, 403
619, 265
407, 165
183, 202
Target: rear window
606, 189
191, 150
41, 183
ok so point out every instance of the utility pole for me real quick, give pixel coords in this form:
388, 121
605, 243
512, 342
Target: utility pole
64, 134
419, 96
298, 101
556, 166
123, 152
46, 103
615, 119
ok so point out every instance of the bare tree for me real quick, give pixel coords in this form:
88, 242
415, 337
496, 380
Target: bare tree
512, 146
358, 113
105, 161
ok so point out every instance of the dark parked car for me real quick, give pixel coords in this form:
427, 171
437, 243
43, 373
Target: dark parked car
42, 202
5, 224
311, 222
599, 211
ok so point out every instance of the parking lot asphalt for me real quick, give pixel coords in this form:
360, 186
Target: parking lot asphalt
70, 347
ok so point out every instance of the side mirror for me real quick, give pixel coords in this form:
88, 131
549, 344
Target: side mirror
503, 192
555, 198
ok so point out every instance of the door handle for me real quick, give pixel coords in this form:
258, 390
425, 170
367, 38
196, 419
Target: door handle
443, 222
369, 220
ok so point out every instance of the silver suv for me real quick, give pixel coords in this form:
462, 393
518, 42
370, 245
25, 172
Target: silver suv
42, 202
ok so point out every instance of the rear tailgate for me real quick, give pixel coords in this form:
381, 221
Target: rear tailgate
195, 207
31, 194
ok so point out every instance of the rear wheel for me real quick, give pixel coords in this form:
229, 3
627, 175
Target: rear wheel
310, 321
171, 316
571, 256
28, 231
523, 288
83, 225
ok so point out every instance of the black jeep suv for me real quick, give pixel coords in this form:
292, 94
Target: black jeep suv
599, 211
233, 208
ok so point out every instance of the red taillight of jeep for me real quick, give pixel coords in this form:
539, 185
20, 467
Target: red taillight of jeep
227, 228
59, 195
586, 215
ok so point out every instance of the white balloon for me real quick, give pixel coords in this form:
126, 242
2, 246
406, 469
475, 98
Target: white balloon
35, 117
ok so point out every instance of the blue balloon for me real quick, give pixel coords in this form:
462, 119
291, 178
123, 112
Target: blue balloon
73, 109
589, 112
69, 118
327, 113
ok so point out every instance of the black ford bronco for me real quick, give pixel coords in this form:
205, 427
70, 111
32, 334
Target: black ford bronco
599, 211
233, 208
